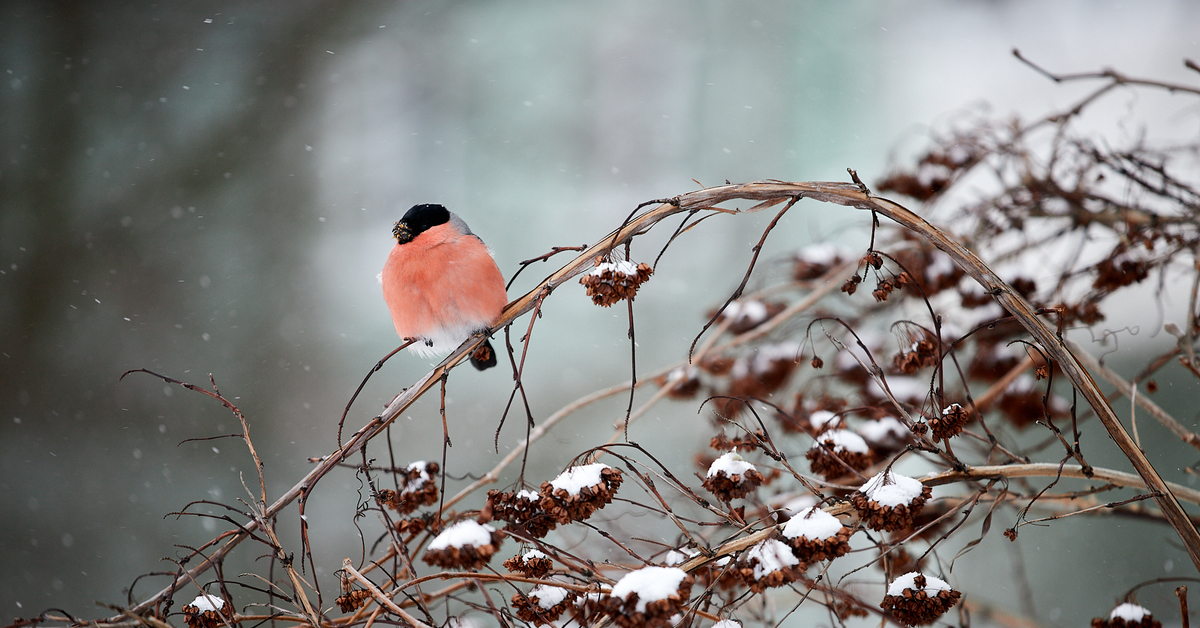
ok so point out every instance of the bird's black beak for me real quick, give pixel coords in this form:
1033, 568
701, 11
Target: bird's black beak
402, 232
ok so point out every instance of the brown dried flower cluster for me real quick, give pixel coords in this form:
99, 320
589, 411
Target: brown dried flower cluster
612, 282
216, 612
887, 516
934, 172
418, 487
815, 550
565, 504
731, 478
684, 382
543, 605
835, 452
558, 502
1127, 615
628, 610
743, 316
464, 545
921, 354
921, 603
767, 565
949, 423
532, 564
353, 600
522, 511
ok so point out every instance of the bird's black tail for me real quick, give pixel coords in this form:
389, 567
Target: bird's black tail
484, 356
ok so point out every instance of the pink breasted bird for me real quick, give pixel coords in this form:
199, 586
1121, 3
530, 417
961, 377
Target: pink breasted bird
441, 283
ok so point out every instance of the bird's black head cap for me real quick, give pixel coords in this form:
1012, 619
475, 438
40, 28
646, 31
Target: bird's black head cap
418, 219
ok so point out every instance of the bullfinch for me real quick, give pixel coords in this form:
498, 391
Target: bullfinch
441, 284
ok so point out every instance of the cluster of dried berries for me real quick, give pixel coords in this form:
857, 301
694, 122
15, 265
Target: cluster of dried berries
767, 565
353, 600
684, 382
730, 477
921, 354
612, 282
815, 535
743, 316
532, 564
207, 611
543, 605
749, 442
1128, 615
580, 491
949, 424
814, 261
916, 600
418, 487
836, 453
646, 598
889, 501
522, 511
934, 172
464, 545
413, 526
886, 286
757, 376
573, 496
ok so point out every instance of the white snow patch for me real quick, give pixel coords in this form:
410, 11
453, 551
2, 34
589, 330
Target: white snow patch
462, 534
548, 596
814, 524
772, 556
576, 478
650, 583
205, 603
842, 440
824, 253
728, 623
1129, 612
419, 483
897, 489
677, 557
909, 581
796, 505
883, 430
623, 267
752, 312
821, 418
730, 464
532, 554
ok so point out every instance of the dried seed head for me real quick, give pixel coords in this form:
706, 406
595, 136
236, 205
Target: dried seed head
543, 605
646, 598
767, 565
950, 423
464, 545
532, 564
522, 511
889, 501
612, 282
579, 491
731, 477
915, 599
836, 453
1127, 615
815, 535
207, 611
418, 487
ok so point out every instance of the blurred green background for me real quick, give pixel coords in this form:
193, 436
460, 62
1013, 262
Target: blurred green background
198, 188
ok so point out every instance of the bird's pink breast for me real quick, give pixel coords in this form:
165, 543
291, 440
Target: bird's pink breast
442, 283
